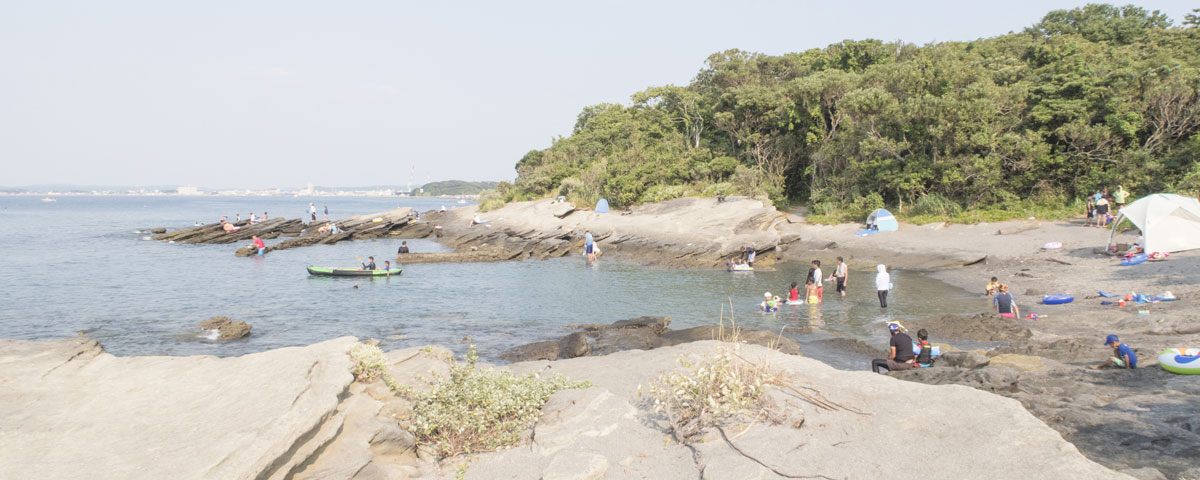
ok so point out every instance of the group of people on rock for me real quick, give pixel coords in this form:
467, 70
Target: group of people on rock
901, 354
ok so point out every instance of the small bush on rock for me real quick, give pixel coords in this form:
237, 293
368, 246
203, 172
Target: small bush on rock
479, 410
719, 386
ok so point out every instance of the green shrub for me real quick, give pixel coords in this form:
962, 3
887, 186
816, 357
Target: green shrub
662, 193
935, 204
478, 409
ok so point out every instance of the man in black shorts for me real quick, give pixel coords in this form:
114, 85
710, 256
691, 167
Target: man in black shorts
900, 356
840, 273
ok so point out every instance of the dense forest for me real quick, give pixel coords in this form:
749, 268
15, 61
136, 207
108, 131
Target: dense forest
1096, 96
456, 187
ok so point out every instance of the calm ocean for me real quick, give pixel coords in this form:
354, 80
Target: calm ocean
80, 264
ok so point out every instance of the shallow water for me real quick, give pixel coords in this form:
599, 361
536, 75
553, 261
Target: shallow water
79, 264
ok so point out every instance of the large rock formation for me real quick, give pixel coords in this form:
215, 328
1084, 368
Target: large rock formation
641, 333
70, 409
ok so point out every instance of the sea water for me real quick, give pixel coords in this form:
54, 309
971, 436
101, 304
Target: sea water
84, 264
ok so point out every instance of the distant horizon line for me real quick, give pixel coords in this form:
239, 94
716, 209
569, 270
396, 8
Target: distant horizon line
73, 186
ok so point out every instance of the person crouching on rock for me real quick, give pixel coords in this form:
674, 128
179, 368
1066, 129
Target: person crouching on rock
1123, 356
900, 356
370, 265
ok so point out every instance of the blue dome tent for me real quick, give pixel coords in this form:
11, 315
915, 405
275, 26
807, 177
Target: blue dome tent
879, 221
602, 206
883, 221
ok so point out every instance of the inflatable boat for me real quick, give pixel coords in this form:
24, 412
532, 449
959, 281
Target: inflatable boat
351, 272
1185, 361
1134, 260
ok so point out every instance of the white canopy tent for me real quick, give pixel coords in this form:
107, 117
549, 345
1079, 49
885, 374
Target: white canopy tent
1169, 222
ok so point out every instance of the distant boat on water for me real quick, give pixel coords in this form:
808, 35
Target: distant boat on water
461, 201
48, 200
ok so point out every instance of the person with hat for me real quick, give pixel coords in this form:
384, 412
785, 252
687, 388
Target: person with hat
900, 356
770, 304
1123, 356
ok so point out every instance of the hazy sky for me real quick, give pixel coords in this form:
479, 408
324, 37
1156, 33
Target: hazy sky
285, 93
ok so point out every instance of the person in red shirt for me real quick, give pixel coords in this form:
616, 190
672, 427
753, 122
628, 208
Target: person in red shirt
794, 294
262, 247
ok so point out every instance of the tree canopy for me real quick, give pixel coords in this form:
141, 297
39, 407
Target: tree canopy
1095, 96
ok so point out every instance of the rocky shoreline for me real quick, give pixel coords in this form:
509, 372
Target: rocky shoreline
69, 407
1144, 422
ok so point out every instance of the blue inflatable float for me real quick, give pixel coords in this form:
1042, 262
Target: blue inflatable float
1057, 299
1134, 260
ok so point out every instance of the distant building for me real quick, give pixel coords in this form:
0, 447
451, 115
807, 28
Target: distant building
188, 191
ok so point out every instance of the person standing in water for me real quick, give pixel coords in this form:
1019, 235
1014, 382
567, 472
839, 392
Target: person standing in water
258, 243
841, 273
883, 283
817, 278
403, 247
589, 246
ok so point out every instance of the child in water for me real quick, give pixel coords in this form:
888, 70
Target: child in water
794, 294
811, 294
770, 304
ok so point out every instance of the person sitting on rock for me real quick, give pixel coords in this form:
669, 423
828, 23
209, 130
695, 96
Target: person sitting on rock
370, 265
900, 356
403, 248
925, 358
1004, 303
228, 227
1123, 356
992, 288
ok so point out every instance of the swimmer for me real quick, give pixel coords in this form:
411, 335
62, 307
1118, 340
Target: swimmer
768, 305
794, 294
810, 292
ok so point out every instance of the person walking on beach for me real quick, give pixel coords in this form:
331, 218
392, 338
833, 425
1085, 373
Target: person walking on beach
1091, 210
312, 210
841, 273
900, 352
883, 283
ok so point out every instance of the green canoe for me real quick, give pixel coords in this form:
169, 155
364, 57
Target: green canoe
351, 272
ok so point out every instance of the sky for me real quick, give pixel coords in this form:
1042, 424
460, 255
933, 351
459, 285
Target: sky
225, 94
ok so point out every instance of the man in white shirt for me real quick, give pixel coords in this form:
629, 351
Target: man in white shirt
817, 278
840, 274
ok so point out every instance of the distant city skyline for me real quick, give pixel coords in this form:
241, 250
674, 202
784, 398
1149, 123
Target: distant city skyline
274, 94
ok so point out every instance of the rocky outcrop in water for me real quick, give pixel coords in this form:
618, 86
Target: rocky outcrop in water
375, 225
641, 333
226, 328
686, 232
